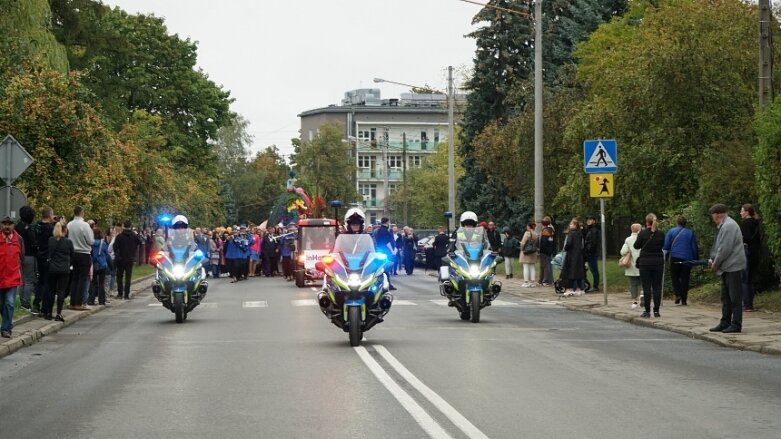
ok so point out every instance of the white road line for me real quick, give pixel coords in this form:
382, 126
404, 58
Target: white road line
314, 289
404, 302
503, 303
154, 304
208, 305
439, 302
255, 304
426, 422
304, 302
457, 418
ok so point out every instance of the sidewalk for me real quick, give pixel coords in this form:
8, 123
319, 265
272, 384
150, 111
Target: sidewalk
30, 329
761, 330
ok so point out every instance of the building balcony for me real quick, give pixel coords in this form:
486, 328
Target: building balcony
396, 146
379, 175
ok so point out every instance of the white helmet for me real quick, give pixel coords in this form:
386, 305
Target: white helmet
355, 215
469, 216
180, 222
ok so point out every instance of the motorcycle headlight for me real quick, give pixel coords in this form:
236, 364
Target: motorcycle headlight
354, 281
474, 271
178, 271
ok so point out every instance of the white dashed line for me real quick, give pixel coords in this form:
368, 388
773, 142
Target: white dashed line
304, 302
255, 304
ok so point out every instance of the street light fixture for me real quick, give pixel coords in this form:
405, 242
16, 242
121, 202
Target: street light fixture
451, 173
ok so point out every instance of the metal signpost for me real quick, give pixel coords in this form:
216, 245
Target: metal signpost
16, 161
600, 161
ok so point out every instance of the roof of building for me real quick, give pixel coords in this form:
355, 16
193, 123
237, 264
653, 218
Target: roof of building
336, 109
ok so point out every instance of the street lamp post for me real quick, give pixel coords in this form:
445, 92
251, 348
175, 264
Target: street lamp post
451, 174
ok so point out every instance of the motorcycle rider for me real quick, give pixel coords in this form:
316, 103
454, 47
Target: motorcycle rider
464, 233
180, 236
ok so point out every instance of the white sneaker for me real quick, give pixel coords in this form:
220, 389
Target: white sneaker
568, 293
634, 305
525, 285
578, 292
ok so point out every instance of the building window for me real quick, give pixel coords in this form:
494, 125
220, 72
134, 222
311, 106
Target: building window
369, 193
311, 135
363, 135
436, 136
423, 140
392, 187
394, 162
372, 217
414, 161
385, 135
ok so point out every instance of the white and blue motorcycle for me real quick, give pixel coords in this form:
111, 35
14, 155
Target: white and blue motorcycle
468, 279
354, 295
180, 283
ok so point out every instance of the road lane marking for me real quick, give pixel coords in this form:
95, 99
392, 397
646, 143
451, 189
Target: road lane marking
426, 422
439, 302
455, 417
497, 302
404, 302
154, 304
304, 302
255, 304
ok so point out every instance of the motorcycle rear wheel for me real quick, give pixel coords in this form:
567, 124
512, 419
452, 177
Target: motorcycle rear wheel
354, 321
179, 308
475, 305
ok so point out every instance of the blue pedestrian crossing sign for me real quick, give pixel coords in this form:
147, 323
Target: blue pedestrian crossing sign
600, 156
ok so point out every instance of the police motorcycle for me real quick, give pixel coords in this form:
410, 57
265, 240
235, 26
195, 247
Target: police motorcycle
468, 278
355, 288
180, 283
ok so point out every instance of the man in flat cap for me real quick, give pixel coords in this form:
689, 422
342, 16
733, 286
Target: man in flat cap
728, 260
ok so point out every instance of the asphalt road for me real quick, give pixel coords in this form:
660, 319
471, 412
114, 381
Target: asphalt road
260, 360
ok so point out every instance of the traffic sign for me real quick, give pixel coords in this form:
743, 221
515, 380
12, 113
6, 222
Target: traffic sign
16, 159
601, 185
11, 200
600, 156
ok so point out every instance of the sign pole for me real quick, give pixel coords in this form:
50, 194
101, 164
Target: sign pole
10, 181
604, 247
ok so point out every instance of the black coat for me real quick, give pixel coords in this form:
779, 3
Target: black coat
751, 239
494, 239
650, 245
60, 254
593, 241
441, 241
574, 264
126, 247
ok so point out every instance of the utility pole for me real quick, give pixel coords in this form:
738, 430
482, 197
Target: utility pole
404, 175
539, 200
387, 174
451, 168
765, 54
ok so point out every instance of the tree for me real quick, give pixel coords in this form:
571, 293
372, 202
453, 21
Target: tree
767, 157
674, 84
131, 62
323, 163
25, 28
502, 93
426, 191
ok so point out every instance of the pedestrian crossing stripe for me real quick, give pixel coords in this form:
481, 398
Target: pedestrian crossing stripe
255, 304
304, 302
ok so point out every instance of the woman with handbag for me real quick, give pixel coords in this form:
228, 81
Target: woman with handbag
651, 264
629, 255
529, 250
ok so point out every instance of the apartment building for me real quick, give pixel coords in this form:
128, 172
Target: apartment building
385, 134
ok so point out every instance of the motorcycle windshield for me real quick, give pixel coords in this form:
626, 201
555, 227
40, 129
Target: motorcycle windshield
180, 244
469, 243
354, 249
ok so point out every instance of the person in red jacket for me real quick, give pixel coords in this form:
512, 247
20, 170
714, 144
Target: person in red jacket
11, 257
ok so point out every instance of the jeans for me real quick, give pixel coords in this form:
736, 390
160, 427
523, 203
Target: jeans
651, 276
98, 287
215, 270
58, 284
7, 302
81, 264
30, 277
594, 269
508, 266
731, 299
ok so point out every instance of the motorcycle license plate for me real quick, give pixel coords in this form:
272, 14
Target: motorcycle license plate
474, 288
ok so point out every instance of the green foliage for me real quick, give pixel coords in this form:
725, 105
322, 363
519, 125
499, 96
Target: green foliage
767, 157
323, 166
427, 190
676, 90
499, 122
27, 23
131, 62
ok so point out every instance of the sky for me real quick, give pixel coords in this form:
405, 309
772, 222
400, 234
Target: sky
280, 58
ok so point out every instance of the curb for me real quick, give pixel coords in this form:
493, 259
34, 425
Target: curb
32, 336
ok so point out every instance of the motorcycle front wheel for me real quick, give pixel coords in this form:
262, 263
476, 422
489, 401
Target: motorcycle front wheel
179, 308
475, 305
354, 321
